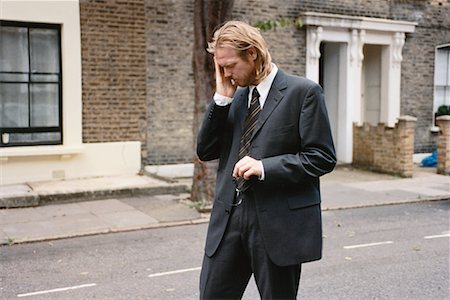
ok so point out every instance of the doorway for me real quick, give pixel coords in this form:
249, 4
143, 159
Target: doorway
371, 84
332, 78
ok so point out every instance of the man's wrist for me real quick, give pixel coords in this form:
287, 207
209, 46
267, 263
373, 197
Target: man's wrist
222, 100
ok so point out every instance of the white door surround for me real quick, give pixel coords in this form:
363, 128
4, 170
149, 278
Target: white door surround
355, 32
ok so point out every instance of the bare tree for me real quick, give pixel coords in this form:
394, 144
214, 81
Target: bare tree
208, 15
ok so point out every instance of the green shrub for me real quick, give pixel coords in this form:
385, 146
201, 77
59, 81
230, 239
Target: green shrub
443, 110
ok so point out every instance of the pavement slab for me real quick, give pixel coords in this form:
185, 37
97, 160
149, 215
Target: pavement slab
60, 210
31, 231
81, 224
127, 220
20, 215
99, 207
165, 208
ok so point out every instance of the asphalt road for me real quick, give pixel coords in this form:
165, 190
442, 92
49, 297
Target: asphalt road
387, 252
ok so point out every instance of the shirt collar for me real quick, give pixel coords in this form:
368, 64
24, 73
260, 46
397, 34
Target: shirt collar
264, 86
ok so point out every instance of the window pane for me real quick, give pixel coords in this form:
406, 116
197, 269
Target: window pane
27, 138
44, 105
46, 78
13, 105
44, 50
447, 95
448, 66
13, 77
13, 49
442, 67
439, 96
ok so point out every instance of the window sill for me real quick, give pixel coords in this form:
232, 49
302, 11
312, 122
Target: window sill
63, 151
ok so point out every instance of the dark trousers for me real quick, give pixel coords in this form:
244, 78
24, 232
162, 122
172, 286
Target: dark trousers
225, 275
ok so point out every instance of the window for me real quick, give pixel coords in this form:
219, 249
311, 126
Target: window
30, 84
442, 77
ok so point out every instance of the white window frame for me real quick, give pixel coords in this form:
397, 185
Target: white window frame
28, 80
436, 104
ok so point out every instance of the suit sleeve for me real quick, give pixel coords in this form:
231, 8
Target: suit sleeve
211, 132
316, 155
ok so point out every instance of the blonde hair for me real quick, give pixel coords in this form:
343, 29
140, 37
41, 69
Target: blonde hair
241, 37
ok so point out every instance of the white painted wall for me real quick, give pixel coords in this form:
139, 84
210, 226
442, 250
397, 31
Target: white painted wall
97, 159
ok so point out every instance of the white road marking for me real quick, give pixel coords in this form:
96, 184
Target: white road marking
57, 290
174, 272
368, 245
437, 236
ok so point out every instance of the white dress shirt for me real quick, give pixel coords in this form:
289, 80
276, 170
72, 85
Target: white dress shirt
263, 89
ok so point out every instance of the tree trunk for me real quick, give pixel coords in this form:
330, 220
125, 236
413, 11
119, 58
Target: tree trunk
208, 16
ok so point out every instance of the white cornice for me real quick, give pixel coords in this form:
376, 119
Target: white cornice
355, 22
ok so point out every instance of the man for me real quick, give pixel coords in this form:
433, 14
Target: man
271, 134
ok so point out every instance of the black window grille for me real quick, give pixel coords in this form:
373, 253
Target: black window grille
30, 84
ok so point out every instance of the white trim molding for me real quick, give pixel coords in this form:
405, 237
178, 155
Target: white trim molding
314, 38
356, 22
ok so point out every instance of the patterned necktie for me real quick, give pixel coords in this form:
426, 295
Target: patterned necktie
249, 126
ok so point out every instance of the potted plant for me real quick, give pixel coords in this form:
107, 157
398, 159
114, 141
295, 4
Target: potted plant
442, 111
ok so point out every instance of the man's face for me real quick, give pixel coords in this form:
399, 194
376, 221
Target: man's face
240, 69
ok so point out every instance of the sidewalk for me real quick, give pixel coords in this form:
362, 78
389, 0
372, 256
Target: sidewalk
162, 199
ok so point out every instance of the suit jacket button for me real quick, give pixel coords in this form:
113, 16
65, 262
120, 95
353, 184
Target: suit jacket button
227, 211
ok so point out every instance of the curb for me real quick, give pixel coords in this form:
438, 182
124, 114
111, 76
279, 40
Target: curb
105, 194
35, 199
19, 201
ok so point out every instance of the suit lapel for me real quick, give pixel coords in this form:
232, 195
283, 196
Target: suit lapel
273, 99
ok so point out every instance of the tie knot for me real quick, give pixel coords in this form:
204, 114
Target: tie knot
255, 93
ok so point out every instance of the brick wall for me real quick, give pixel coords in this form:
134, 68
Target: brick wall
443, 147
385, 149
113, 62
170, 81
137, 64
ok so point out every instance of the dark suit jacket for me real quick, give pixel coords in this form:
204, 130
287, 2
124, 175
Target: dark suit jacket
293, 140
